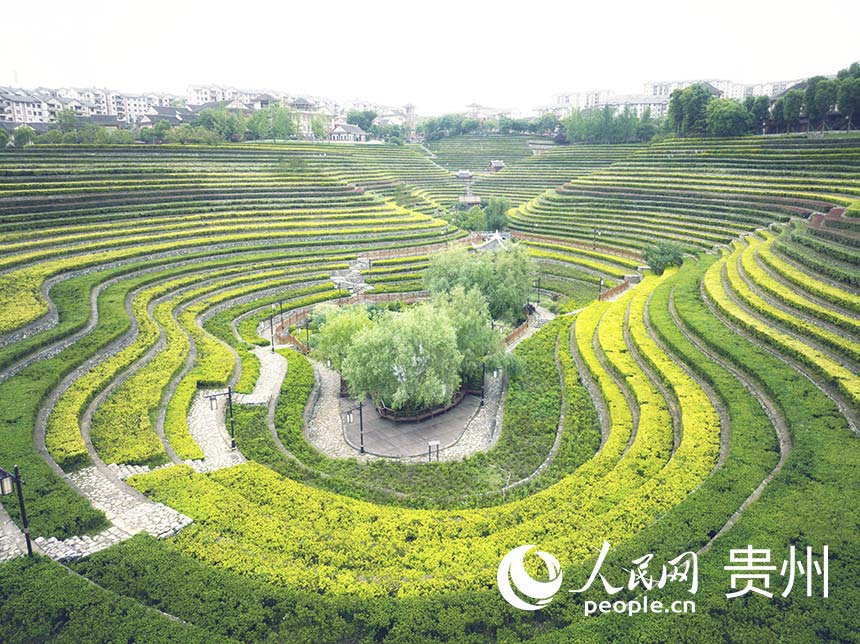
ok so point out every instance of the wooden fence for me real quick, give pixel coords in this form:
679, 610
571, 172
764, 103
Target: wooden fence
609, 250
297, 316
615, 290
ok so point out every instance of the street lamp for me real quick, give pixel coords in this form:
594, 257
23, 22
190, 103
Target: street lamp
307, 342
213, 404
9, 482
594, 243
483, 378
600, 288
350, 417
536, 284
272, 327
281, 307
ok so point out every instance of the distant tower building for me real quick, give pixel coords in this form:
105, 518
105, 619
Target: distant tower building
410, 121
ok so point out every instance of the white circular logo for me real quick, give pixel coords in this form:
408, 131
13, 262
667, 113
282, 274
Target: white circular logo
512, 574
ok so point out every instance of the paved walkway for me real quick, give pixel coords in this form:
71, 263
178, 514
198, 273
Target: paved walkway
461, 432
384, 437
12, 542
128, 512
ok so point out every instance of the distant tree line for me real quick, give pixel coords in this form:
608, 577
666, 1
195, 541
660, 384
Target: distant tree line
604, 125
695, 111
457, 124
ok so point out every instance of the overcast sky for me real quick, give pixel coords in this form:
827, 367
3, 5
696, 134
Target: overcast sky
439, 55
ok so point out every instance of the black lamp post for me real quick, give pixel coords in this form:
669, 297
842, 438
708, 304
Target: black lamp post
213, 398
537, 285
272, 327
350, 418
9, 482
281, 308
483, 377
307, 338
600, 288
594, 243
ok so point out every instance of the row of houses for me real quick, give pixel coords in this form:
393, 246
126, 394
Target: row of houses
726, 88
42, 104
656, 94
565, 104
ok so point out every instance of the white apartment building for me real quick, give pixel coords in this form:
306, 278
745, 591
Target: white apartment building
201, 94
571, 101
19, 107
727, 88
135, 107
638, 104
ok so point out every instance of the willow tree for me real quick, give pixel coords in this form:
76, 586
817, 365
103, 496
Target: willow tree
405, 361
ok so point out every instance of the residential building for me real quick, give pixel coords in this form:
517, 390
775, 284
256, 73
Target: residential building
19, 107
638, 104
347, 132
173, 115
569, 102
307, 113
484, 112
726, 88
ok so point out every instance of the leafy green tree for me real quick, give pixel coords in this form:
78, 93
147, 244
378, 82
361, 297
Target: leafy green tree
694, 100
160, 130
472, 219
337, 329
759, 113
67, 120
826, 93
811, 103
503, 277
51, 137
4, 139
662, 255
272, 122
852, 71
318, 128
123, 137
778, 114
646, 127
496, 213
848, 99
727, 118
405, 361
675, 113
792, 107
477, 341
361, 118
23, 136
229, 126
548, 123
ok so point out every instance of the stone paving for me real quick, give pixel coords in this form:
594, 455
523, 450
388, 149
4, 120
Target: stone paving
207, 423
128, 511
459, 437
12, 542
273, 368
208, 426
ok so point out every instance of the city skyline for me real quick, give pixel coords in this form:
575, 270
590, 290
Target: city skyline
441, 58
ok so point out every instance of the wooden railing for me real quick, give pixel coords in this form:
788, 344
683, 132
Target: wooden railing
295, 317
609, 250
615, 290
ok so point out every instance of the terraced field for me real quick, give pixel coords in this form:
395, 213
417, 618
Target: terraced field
701, 410
474, 152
